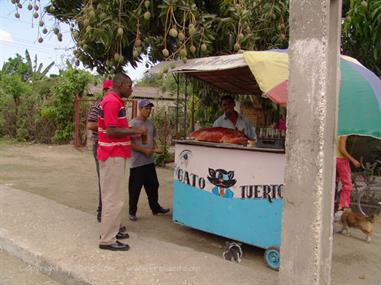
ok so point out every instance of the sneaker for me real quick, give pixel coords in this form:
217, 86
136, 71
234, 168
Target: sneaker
133, 218
160, 211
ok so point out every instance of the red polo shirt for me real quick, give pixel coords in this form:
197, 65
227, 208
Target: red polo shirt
112, 113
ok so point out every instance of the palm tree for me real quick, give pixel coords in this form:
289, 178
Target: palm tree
36, 73
27, 71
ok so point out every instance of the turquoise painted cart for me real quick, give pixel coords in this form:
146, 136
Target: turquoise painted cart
231, 191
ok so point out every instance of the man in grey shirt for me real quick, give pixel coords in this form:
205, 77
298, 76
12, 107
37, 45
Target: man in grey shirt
142, 171
231, 119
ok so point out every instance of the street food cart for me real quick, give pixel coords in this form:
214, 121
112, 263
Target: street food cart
231, 191
234, 191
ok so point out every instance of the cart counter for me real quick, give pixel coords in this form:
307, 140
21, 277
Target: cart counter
230, 190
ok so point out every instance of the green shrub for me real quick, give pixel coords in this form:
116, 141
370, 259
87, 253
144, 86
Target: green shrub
61, 107
41, 111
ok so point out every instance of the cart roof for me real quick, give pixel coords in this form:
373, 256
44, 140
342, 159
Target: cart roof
228, 73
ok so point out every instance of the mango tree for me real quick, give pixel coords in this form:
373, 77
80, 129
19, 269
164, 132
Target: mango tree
112, 33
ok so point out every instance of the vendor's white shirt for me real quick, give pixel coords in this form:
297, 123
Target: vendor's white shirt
242, 124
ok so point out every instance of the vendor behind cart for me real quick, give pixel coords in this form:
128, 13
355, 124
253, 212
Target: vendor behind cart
233, 120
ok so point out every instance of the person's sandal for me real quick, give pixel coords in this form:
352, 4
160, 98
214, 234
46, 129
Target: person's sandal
133, 218
122, 235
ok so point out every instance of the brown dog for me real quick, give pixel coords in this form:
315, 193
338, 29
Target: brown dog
351, 219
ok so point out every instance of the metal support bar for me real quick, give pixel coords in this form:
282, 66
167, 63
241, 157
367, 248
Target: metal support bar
177, 80
185, 106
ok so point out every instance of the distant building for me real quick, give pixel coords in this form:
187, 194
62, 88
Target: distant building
159, 99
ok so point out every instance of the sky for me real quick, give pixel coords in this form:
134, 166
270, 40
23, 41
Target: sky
17, 35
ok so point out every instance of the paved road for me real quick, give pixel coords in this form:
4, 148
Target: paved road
13, 271
67, 176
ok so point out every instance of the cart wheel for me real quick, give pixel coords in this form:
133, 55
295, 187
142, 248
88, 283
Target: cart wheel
272, 257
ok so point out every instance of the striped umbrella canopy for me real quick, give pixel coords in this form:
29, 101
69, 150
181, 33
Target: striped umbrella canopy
359, 97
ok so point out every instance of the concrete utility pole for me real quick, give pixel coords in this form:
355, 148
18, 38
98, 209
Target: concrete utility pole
306, 248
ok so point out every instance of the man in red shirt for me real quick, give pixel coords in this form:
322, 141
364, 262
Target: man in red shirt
114, 148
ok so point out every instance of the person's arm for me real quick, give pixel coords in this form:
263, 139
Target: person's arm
136, 147
249, 130
144, 150
157, 149
252, 134
217, 123
155, 146
111, 113
92, 126
115, 132
343, 150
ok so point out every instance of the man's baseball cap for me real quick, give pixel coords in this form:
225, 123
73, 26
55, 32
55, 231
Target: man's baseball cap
145, 103
107, 84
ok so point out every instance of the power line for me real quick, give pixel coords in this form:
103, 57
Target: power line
29, 47
33, 23
43, 45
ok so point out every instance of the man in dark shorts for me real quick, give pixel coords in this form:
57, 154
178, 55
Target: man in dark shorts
142, 167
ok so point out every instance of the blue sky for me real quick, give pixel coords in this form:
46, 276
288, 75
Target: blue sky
17, 35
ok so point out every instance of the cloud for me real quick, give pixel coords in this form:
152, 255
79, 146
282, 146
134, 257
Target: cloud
5, 36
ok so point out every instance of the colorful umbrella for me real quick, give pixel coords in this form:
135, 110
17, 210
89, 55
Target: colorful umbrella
360, 90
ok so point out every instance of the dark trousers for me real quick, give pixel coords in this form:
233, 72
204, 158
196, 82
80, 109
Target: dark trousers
95, 148
143, 176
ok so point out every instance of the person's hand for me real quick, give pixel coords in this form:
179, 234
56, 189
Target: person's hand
141, 131
356, 163
158, 150
237, 130
149, 151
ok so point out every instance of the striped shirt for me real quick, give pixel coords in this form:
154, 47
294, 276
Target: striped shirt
93, 117
112, 113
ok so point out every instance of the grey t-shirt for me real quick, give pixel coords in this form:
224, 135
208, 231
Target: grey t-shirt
138, 158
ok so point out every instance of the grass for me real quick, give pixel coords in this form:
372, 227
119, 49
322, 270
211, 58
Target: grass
6, 141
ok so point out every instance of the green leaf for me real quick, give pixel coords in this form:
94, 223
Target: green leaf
46, 70
29, 62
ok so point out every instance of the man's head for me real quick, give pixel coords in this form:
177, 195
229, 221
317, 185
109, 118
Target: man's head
227, 104
122, 85
145, 108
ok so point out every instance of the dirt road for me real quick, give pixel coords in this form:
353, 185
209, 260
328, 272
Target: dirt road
67, 176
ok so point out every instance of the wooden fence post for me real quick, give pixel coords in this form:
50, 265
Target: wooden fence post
77, 109
134, 111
